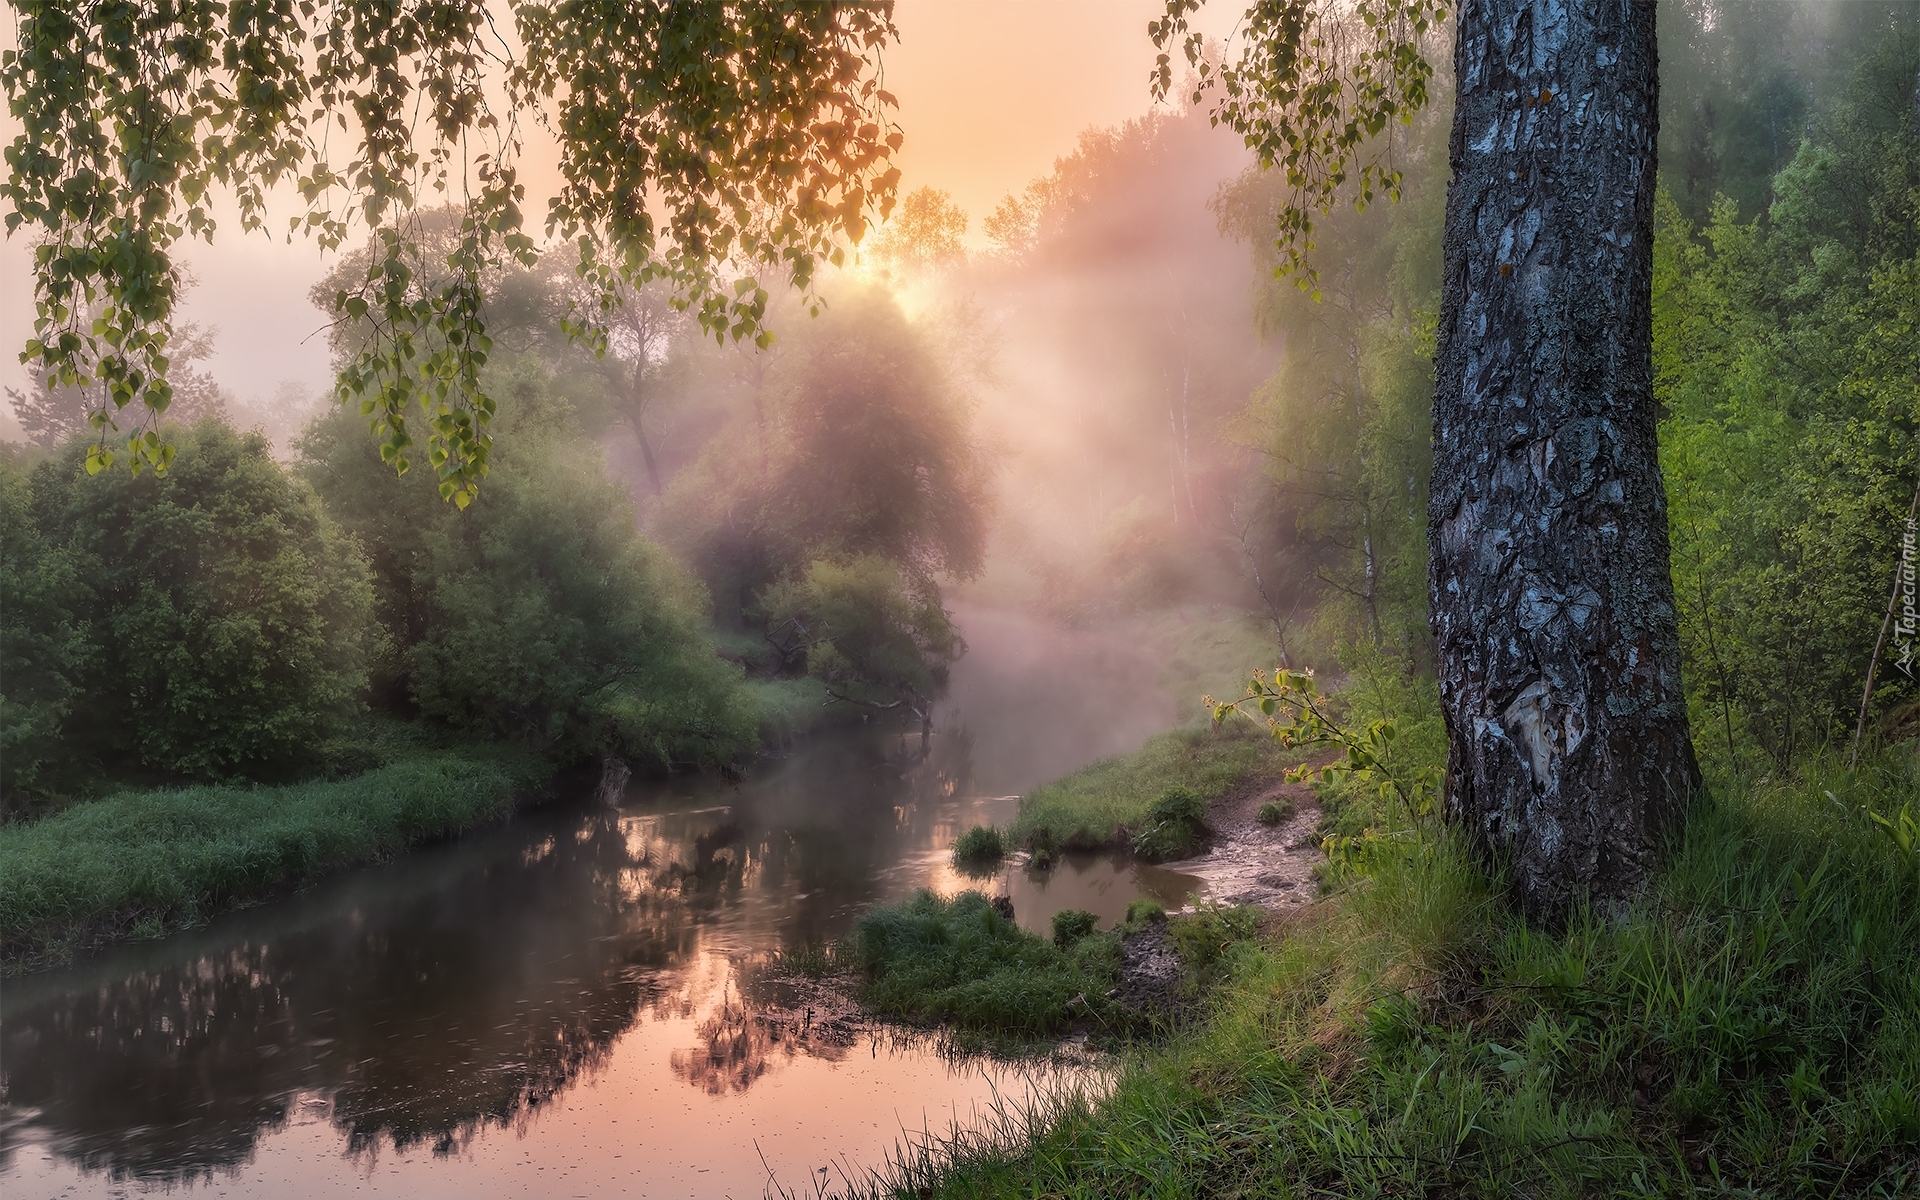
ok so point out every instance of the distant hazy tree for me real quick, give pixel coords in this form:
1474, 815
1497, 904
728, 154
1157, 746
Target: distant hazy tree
1552, 601
833, 541
874, 634
640, 327
926, 232
542, 615
51, 413
1010, 227
697, 141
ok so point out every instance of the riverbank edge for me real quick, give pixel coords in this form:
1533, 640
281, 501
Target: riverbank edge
1101, 806
94, 829
979, 980
146, 864
1409, 1031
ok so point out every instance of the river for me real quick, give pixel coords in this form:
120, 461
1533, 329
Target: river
574, 1003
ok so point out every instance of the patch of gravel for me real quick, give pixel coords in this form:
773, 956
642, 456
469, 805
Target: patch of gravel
1150, 971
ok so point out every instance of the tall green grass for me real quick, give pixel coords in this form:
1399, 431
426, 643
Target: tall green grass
1752, 1028
142, 863
1088, 808
962, 964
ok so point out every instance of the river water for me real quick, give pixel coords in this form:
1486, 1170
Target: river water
576, 1003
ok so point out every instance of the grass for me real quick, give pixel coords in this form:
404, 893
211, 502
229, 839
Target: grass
1175, 825
979, 848
1072, 924
1752, 1028
963, 964
141, 864
1211, 653
1091, 807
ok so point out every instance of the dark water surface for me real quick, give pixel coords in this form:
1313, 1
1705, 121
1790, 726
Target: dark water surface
564, 1006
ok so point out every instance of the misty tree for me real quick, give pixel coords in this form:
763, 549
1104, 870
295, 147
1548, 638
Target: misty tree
637, 331
52, 412
708, 143
926, 233
1552, 607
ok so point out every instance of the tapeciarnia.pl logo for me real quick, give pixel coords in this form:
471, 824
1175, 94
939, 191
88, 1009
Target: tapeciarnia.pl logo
1907, 625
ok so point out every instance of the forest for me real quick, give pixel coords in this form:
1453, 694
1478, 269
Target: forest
685, 530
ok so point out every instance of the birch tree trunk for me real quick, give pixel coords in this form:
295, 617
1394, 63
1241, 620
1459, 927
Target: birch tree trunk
1553, 611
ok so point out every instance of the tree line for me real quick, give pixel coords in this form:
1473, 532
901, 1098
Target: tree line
245, 618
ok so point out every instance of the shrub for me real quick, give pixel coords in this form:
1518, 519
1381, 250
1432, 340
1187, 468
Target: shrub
1176, 825
1145, 908
1072, 924
981, 846
539, 613
1206, 935
871, 630
210, 623
1274, 811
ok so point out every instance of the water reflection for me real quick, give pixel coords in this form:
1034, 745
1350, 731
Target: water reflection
413, 1008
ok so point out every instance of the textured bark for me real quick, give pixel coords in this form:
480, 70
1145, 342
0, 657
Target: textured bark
1553, 611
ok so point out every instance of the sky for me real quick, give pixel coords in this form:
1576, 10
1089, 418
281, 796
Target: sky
990, 91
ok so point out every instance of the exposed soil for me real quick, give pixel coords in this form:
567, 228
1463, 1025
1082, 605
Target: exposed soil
1150, 973
1250, 863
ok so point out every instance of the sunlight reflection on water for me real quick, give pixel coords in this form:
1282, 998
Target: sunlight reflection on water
564, 1006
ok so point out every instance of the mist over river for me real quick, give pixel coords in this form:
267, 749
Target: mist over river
575, 1003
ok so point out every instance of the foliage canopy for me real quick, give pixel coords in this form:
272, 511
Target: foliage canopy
692, 135
1314, 85
542, 616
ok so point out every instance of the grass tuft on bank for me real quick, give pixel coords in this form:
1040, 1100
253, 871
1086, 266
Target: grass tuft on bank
963, 964
1751, 1028
1090, 807
144, 863
967, 967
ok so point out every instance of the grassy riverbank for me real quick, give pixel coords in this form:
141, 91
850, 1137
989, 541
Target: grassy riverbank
145, 863
960, 963
1088, 808
1752, 1028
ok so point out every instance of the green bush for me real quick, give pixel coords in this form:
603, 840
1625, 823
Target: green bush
1072, 924
961, 963
539, 613
159, 860
1176, 826
1144, 909
1274, 811
209, 623
873, 631
981, 846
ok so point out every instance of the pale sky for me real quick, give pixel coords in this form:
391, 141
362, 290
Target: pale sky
990, 91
